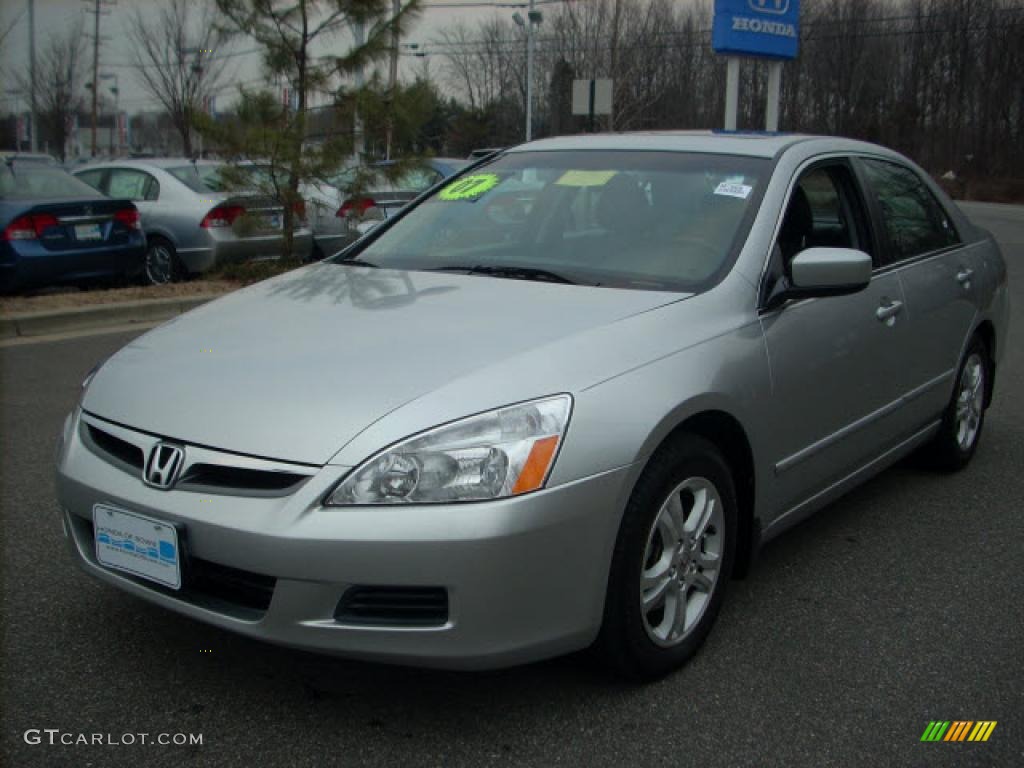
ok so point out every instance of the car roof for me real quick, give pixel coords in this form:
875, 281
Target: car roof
143, 163
28, 157
749, 143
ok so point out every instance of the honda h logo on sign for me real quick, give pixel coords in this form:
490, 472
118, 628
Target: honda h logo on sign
163, 465
770, 6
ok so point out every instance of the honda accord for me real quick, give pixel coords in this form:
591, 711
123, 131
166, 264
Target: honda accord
557, 402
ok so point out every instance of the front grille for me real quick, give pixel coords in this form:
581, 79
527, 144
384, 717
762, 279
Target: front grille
396, 606
207, 470
220, 588
219, 478
114, 448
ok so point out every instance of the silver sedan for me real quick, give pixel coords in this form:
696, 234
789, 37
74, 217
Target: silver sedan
560, 402
191, 223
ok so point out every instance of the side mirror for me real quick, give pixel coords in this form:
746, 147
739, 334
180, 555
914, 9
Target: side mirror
823, 272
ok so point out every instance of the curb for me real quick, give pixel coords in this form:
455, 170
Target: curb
99, 316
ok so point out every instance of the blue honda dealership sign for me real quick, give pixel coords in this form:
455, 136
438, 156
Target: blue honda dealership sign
769, 28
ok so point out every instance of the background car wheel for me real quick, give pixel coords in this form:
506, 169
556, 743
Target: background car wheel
161, 265
954, 445
672, 561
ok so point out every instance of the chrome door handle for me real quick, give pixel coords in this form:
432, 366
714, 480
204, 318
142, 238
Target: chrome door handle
887, 312
964, 276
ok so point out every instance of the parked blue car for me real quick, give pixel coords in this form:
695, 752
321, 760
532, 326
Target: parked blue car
57, 229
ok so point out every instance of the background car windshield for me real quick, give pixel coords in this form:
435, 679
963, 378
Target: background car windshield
35, 181
414, 179
200, 178
655, 220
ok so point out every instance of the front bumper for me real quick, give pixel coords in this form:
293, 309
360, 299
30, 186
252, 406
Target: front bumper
525, 577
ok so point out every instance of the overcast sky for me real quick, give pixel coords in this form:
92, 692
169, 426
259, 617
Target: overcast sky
55, 16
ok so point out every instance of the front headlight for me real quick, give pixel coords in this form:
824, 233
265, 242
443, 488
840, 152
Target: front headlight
500, 453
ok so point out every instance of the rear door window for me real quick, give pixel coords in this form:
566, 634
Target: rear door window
914, 220
132, 184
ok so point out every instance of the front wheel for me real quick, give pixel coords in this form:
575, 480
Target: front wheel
672, 561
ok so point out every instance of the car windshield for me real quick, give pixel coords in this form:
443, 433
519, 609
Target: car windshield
634, 219
414, 179
36, 181
200, 178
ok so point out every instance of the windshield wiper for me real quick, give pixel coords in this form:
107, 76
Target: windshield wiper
515, 273
358, 263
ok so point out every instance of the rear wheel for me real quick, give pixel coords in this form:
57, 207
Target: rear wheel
162, 265
672, 560
954, 445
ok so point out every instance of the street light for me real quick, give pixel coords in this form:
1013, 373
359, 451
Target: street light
533, 19
197, 69
116, 91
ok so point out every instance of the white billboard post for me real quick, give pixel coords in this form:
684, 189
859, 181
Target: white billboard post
765, 29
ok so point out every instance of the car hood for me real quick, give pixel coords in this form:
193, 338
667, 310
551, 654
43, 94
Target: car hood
295, 367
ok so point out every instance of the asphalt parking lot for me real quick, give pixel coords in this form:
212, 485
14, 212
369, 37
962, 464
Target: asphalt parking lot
898, 605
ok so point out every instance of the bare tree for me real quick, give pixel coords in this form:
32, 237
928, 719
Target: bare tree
938, 79
180, 55
480, 63
7, 27
59, 78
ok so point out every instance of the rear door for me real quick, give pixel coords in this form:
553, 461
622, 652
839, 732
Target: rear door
923, 247
836, 362
139, 187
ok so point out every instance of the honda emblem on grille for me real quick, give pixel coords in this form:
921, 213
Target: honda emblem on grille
163, 465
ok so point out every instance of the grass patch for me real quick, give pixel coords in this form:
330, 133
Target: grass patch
248, 272
59, 298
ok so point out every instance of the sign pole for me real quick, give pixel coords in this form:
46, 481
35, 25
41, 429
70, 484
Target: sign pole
732, 92
593, 89
774, 90
764, 29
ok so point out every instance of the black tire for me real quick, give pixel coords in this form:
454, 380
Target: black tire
948, 451
625, 642
161, 264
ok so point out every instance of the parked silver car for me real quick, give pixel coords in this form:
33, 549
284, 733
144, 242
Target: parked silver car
387, 187
513, 425
191, 223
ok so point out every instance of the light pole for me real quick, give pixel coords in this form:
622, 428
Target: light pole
358, 135
32, 69
534, 18
197, 70
95, 94
116, 90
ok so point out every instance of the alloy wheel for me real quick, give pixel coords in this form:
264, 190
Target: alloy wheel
970, 401
159, 264
682, 561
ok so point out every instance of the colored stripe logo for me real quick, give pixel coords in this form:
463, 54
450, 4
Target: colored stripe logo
958, 730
